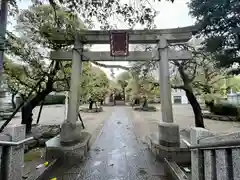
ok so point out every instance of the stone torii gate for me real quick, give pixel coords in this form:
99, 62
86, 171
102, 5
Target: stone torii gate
168, 131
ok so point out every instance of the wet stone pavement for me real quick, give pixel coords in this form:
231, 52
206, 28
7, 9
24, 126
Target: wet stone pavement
117, 154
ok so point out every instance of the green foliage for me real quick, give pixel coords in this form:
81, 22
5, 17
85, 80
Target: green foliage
38, 23
94, 84
219, 23
143, 87
28, 50
124, 76
123, 81
16, 78
234, 84
224, 109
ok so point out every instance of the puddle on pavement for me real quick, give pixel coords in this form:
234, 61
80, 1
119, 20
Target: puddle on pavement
142, 171
116, 156
114, 151
129, 153
97, 163
97, 149
96, 171
122, 144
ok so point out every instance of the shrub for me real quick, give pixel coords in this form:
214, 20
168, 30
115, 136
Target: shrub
149, 109
224, 109
54, 99
49, 100
209, 104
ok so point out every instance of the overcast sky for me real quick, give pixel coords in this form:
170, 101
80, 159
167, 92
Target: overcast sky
171, 15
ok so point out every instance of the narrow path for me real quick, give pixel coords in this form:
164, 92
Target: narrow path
117, 154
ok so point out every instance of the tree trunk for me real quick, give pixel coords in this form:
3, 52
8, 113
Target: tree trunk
40, 112
31, 104
196, 108
191, 97
114, 100
145, 104
96, 104
123, 91
13, 100
90, 105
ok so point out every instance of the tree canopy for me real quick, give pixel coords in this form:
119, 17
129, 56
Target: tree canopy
102, 11
33, 23
220, 25
29, 68
94, 84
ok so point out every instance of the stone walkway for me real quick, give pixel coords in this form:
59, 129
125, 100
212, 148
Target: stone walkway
117, 154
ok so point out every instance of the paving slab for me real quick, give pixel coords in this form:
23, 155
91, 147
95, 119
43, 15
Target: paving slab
117, 154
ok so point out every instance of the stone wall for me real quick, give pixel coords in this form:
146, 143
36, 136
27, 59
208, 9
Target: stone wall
220, 162
12, 157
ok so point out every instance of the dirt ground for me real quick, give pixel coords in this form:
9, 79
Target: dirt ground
54, 114
147, 122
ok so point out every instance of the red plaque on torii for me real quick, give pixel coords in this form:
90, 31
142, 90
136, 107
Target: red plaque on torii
119, 43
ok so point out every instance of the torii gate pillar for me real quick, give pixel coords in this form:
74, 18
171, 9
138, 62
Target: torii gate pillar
168, 131
71, 129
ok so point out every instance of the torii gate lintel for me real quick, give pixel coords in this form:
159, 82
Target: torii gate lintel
173, 35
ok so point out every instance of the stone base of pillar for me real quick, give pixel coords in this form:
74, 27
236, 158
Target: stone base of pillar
70, 146
69, 154
167, 144
169, 135
70, 133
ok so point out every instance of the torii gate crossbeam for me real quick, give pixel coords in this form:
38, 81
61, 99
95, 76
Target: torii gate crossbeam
145, 36
133, 56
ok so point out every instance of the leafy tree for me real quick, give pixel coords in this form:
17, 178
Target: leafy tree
94, 86
219, 24
15, 79
185, 75
209, 78
189, 75
122, 80
234, 84
136, 86
196, 76
31, 46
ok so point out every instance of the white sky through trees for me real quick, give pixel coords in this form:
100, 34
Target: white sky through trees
170, 15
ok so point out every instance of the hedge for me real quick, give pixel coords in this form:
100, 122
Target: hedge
54, 99
49, 100
225, 109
